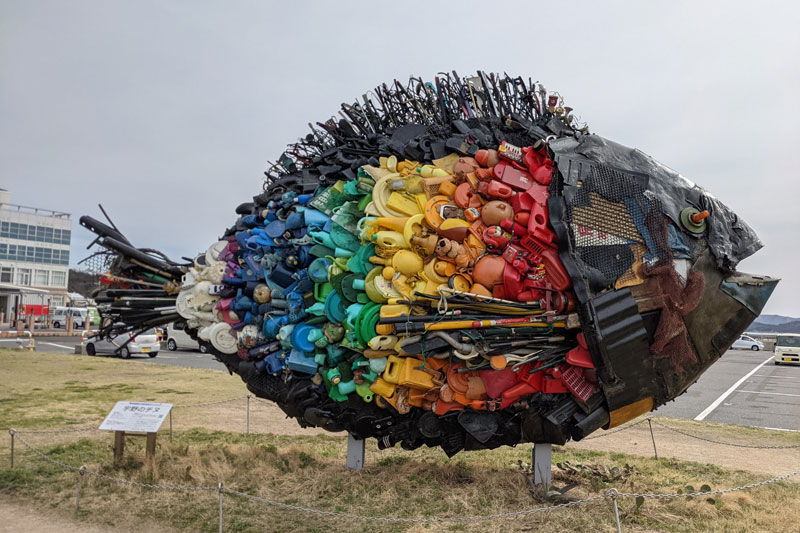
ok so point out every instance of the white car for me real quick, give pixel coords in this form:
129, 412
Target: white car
146, 342
177, 338
747, 343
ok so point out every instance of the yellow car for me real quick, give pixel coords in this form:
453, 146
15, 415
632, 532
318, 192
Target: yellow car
787, 349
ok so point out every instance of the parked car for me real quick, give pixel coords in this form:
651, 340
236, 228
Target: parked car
178, 338
79, 315
787, 349
146, 342
745, 342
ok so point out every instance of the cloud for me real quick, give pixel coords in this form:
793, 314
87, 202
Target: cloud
167, 113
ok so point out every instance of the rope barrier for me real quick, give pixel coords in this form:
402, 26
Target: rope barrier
612, 494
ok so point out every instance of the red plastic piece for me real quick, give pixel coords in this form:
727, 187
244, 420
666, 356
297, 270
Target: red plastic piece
441, 407
465, 197
575, 381
497, 382
495, 189
580, 356
553, 386
557, 275
513, 177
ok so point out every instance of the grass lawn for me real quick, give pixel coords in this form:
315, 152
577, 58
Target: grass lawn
39, 391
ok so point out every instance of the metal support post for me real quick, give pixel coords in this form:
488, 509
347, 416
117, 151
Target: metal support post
355, 453
12, 432
613, 493
655, 451
219, 487
543, 464
248, 414
170, 425
81, 472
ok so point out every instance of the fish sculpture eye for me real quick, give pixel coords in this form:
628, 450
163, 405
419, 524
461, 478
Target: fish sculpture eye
456, 263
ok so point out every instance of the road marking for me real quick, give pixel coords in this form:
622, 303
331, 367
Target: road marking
707, 411
772, 393
58, 345
774, 377
779, 429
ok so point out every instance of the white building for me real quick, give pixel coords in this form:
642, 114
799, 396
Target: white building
34, 256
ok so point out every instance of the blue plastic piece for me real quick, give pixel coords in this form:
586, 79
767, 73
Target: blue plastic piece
300, 362
300, 338
334, 308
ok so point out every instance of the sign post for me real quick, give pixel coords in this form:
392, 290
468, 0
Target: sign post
135, 419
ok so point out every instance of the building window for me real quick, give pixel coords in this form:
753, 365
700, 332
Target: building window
3, 251
6, 275
41, 278
59, 279
23, 276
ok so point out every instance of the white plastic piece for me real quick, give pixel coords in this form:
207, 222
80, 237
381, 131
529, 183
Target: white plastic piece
221, 338
212, 254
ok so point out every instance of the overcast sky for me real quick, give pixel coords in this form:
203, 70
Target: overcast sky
167, 112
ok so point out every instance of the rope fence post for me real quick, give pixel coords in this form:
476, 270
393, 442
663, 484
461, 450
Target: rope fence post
81, 472
248, 414
221, 493
650, 422
13, 433
613, 493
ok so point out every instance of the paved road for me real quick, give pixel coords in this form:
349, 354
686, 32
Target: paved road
743, 387
66, 345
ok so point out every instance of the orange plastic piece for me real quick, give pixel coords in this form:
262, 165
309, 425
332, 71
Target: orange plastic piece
698, 217
383, 388
432, 215
447, 188
403, 371
441, 407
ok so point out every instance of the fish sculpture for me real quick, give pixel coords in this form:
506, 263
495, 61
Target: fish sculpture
457, 263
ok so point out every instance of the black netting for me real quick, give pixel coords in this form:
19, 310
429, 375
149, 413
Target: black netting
614, 226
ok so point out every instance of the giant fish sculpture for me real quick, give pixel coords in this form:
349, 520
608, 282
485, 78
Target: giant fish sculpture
457, 264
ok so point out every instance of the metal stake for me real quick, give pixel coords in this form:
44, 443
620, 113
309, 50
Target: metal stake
12, 432
81, 472
655, 451
543, 464
613, 493
248, 414
219, 487
170, 425
355, 453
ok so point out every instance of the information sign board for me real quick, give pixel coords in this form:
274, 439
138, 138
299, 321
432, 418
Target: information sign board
136, 416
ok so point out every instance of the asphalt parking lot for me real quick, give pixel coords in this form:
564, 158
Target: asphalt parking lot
743, 387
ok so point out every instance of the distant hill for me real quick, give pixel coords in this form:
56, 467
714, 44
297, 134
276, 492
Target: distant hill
82, 282
775, 320
792, 326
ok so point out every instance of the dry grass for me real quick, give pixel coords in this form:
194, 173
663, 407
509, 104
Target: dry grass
308, 469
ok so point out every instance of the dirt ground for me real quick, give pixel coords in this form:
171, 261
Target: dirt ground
267, 418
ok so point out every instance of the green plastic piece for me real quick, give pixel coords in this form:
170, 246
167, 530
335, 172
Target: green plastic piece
364, 391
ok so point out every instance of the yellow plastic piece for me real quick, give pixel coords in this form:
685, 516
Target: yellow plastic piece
447, 188
402, 203
447, 163
422, 200
403, 371
629, 412
407, 262
383, 388
391, 311
390, 239
393, 223
450, 223
430, 171
431, 273
413, 227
